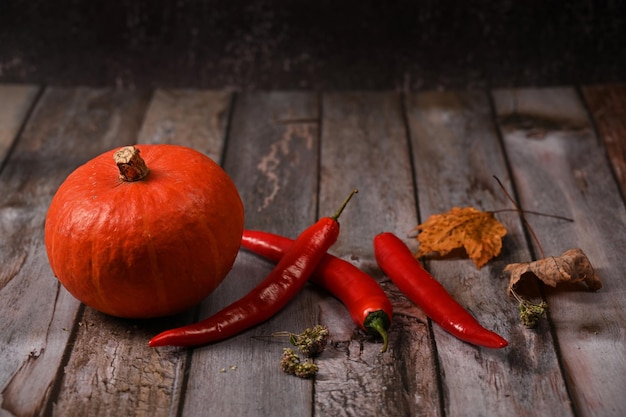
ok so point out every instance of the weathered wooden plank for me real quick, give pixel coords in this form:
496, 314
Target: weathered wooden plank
559, 166
59, 359
68, 127
15, 102
607, 104
364, 145
195, 118
272, 155
133, 379
456, 153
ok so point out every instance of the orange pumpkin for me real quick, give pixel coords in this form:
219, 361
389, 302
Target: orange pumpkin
149, 237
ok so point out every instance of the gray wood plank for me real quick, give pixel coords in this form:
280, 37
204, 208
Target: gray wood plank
607, 104
15, 102
67, 128
134, 379
293, 163
560, 166
364, 145
272, 155
456, 153
195, 118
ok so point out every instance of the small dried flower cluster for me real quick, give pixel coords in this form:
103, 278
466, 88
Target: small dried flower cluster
530, 313
311, 342
291, 364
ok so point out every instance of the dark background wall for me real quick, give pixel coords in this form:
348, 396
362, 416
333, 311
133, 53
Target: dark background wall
322, 44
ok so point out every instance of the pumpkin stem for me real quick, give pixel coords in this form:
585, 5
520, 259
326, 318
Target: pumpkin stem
132, 167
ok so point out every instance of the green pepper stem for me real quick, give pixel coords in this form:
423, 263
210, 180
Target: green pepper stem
343, 205
378, 324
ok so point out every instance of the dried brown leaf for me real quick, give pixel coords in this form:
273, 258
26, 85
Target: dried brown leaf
478, 232
571, 267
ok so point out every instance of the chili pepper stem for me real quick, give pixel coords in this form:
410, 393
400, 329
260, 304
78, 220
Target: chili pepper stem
343, 205
378, 325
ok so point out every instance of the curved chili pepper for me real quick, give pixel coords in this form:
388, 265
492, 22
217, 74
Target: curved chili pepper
399, 264
269, 296
367, 303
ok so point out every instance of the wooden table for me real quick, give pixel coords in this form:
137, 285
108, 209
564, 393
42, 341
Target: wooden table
294, 155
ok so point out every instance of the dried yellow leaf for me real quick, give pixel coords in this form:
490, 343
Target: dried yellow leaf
478, 232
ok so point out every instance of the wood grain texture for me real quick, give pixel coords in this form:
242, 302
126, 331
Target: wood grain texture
112, 371
273, 158
272, 155
194, 118
294, 156
456, 153
564, 170
607, 104
68, 127
364, 146
15, 102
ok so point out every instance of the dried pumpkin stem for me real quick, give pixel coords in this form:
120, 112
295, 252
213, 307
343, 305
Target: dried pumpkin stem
132, 167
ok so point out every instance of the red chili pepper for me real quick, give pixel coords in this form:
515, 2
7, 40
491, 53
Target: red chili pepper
399, 264
367, 303
267, 298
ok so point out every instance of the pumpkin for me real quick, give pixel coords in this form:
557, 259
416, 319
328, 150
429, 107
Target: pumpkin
144, 231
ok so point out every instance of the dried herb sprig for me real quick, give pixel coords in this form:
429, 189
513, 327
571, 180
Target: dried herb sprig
306, 370
529, 312
290, 363
312, 341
